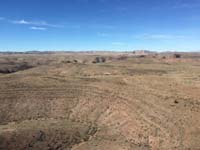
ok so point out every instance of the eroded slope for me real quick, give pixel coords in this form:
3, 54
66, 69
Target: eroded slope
136, 103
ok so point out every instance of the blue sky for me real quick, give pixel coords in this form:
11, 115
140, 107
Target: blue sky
99, 25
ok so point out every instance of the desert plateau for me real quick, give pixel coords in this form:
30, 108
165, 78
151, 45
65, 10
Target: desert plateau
99, 101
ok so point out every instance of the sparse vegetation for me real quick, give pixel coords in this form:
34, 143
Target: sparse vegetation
70, 101
99, 60
177, 56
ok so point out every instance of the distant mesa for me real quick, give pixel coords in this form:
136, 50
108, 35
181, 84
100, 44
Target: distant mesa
143, 52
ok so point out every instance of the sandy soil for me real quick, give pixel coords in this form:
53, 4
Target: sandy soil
69, 101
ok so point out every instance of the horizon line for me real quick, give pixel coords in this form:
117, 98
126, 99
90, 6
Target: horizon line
87, 51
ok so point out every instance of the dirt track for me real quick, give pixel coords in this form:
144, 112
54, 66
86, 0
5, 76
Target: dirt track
136, 103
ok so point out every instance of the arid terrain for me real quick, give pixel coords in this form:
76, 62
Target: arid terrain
99, 101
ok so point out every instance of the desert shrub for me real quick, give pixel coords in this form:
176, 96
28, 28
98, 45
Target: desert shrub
141, 56
75, 61
103, 59
177, 56
123, 57
99, 60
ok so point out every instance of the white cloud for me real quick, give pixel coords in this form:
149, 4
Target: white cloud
38, 28
21, 22
38, 23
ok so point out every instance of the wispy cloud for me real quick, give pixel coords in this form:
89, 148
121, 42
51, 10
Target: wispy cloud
21, 22
37, 23
38, 28
2, 18
187, 4
159, 36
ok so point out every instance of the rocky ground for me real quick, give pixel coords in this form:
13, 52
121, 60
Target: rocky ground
83, 101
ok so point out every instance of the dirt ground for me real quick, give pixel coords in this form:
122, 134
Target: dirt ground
99, 101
